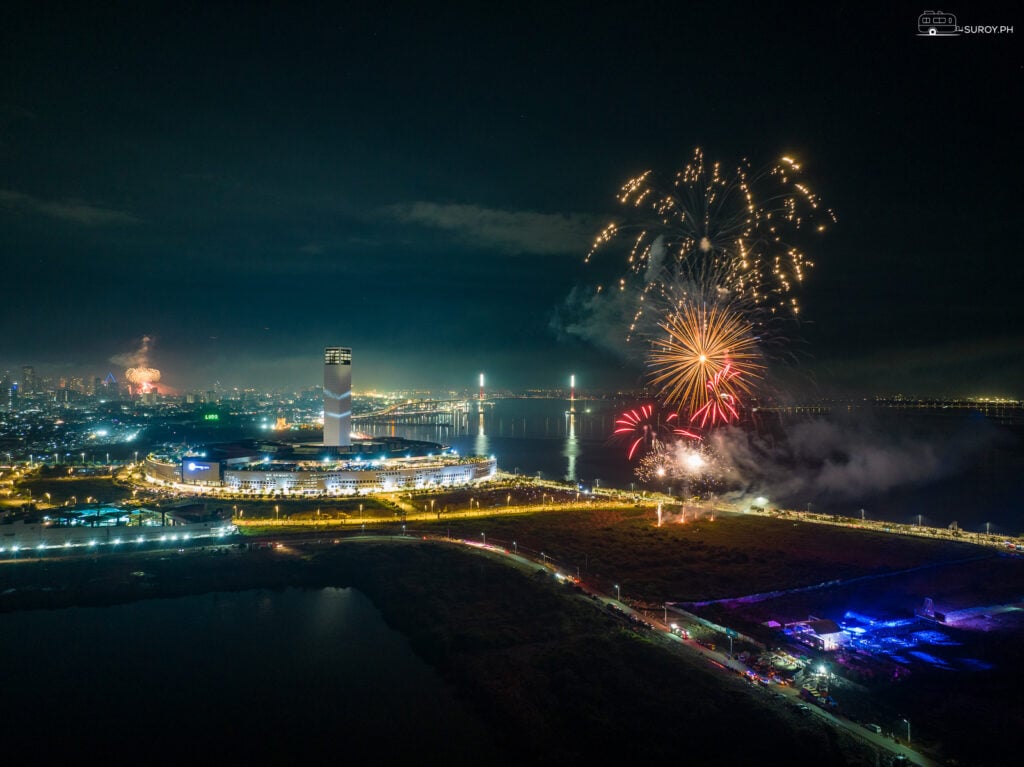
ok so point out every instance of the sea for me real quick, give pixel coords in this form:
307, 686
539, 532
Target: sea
933, 468
260, 676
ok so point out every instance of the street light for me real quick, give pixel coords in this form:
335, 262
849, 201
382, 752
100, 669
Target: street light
83, 459
515, 547
276, 510
484, 536
907, 722
617, 593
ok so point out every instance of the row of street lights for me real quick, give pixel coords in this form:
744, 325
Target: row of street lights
56, 457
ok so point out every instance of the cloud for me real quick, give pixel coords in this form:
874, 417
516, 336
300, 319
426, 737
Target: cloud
980, 367
842, 461
513, 231
599, 318
75, 211
137, 358
10, 113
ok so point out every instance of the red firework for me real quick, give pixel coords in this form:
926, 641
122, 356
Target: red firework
721, 404
645, 427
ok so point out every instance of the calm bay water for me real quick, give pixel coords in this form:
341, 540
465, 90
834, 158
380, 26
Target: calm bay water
980, 486
261, 674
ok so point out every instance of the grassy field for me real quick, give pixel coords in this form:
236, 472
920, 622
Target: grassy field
557, 680
732, 556
65, 489
561, 682
535, 665
303, 512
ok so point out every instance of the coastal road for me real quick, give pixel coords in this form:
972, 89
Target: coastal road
656, 629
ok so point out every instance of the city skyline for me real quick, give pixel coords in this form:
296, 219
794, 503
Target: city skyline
426, 185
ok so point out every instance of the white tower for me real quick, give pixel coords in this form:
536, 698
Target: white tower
337, 397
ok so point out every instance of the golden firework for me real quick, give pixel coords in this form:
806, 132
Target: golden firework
738, 228
706, 357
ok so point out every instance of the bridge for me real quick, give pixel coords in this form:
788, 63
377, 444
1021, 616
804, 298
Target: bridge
444, 412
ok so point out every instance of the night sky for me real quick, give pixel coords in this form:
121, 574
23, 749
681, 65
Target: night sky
248, 183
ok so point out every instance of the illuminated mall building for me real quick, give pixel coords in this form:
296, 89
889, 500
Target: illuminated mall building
337, 466
269, 468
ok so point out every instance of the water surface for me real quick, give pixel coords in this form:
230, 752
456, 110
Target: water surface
264, 674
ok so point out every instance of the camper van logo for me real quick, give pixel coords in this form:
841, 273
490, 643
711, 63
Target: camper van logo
937, 23
944, 24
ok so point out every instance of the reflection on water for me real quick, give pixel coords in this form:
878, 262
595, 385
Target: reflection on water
560, 439
480, 445
230, 668
545, 435
572, 448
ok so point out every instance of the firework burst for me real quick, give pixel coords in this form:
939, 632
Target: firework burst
692, 462
144, 378
737, 229
646, 428
705, 359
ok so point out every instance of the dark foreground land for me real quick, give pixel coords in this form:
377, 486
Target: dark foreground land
557, 680
970, 717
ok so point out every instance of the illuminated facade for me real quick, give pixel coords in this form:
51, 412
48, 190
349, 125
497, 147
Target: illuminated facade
358, 478
262, 476
337, 397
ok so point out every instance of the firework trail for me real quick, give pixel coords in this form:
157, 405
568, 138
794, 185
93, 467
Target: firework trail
737, 230
706, 358
646, 428
721, 404
714, 257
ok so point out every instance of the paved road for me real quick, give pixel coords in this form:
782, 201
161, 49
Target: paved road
661, 631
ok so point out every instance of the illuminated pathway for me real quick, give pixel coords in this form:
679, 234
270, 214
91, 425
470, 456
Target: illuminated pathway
661, 632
